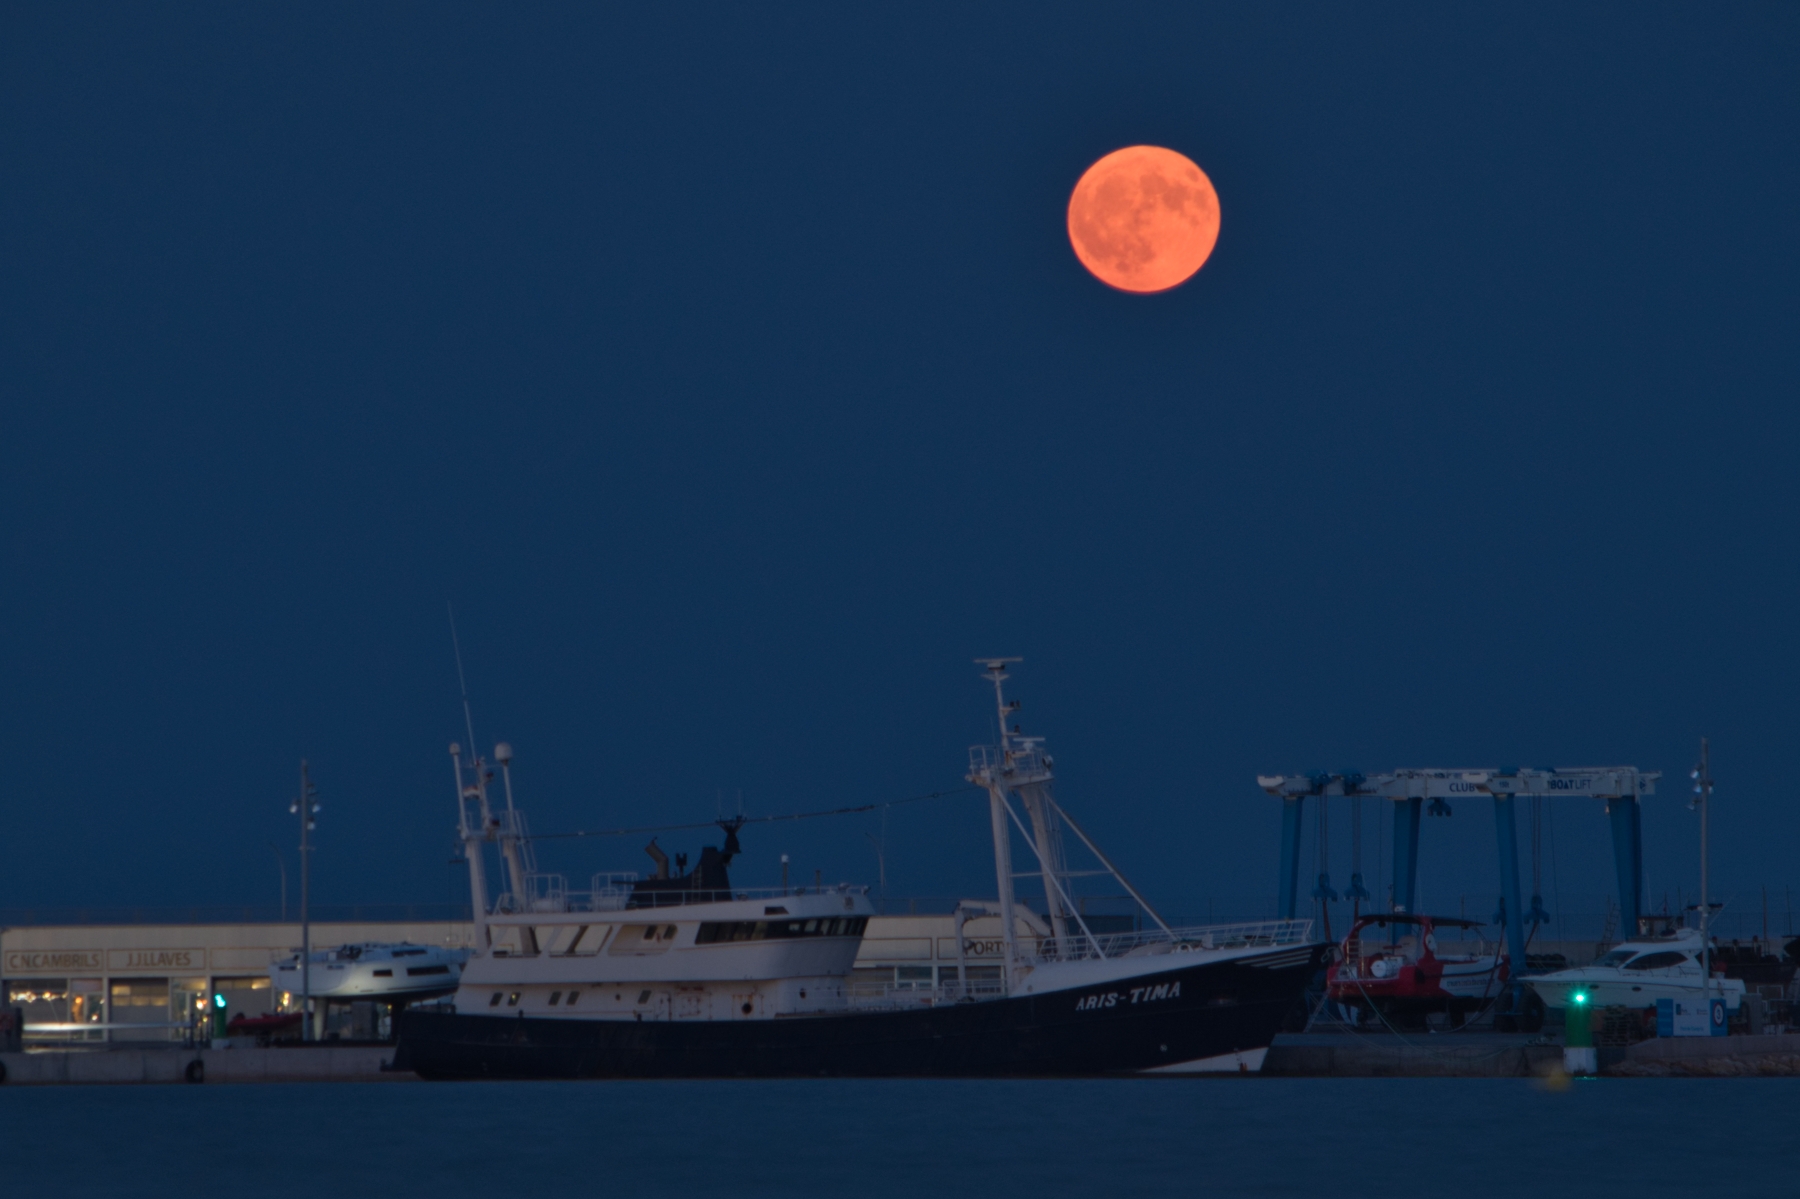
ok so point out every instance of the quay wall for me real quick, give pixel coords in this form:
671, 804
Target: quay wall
157, 1064
1502, 1055
1456, 1055
1768, 1055
1303, 1055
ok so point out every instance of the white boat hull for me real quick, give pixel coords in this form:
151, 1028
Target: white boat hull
1634, 993
1638, 973
378, 973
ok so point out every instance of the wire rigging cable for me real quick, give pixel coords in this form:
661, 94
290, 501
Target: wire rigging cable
671, 828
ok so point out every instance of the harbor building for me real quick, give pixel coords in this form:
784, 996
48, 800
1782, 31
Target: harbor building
99, 983
156, 982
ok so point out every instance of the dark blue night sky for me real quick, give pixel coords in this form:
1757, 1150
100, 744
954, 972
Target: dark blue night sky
729, 369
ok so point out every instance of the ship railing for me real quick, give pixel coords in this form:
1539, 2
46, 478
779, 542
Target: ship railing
545, 892
888, 996
1024, 762
607, 891
674, 899
615, 892
1255, 934
984, 759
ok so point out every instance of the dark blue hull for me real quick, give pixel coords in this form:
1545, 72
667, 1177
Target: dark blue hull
1149, 1021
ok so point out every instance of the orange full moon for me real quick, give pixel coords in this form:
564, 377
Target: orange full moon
1143, 218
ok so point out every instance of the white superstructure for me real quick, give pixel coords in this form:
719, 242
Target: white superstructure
694, 947
630, 948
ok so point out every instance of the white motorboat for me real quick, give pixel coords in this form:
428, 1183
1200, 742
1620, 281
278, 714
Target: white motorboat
1638, 973
372, 970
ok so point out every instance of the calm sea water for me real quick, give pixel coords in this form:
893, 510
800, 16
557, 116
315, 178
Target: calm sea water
1229, 1137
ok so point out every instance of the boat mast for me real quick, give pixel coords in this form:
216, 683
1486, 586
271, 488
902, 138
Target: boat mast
988, 769
508, 836
512, 832
474, 828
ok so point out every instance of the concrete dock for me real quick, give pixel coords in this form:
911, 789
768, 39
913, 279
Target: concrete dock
1521, 1055
1710, 1057
1294, 1055
1385, 1055
160, 1064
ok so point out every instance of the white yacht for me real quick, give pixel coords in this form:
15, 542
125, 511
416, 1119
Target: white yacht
1638, 973
369, 970
687, 974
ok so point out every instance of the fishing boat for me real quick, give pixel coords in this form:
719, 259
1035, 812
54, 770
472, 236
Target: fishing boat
1398, 966
689, 974
390, 973
1638, 973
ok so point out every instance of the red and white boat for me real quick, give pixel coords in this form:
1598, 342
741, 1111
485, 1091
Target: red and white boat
1404, 967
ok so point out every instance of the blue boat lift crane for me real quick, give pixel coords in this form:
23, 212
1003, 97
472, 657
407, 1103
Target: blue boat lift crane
1621, 787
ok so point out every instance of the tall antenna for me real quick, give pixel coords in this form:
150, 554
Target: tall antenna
306, 806
456, 648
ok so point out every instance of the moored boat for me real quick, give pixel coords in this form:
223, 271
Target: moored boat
1637, 973
690, 975
390, 973
1403, 967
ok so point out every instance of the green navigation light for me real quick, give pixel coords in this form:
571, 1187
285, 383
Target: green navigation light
1578, 998
218, 1001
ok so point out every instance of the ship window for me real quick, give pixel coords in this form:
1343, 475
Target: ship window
495, 1001
554, 996
415, 971
1657, 961
1617, 957
573, 996
649, 932
713, 932
643, 997
384, 974
512, 1000
669, 933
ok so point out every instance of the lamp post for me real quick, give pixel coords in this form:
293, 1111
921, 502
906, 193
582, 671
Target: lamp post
1703, 786
306, 807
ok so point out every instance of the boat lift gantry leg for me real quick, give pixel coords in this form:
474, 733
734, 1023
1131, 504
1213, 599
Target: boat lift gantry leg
1506, 834
1622, 787
1628, 859
1406, 853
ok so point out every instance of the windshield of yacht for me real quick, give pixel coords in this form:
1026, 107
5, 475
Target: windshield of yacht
1617, 957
